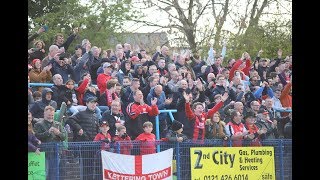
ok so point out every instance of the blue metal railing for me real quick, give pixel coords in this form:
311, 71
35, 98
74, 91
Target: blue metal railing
169, 111
50, 84
86, 152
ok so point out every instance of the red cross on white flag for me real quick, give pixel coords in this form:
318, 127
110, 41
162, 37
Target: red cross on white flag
146, 167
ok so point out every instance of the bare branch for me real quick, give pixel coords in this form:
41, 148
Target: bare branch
206, 38
233, 20
214, 10
158, 25
182, 17
161, 8
164, 2
190, 11
275, 14
255, 20
200, 14
253, 10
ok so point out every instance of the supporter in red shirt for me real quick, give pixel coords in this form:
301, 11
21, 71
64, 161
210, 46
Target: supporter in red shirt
103, 135
104, 77
124, 140
147, 139
198, 116
139, 113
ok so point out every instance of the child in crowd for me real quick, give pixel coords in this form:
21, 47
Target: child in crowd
37, 96
122, 136
147, 139
103, 136
175, 133
72, 102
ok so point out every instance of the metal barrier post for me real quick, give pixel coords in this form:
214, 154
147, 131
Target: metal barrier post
281, 159
178, 160
170, 111
157, 132
171, 116
57, 161
118, 147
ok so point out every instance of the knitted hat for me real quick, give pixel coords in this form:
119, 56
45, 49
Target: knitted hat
176, 125
35, 60
134, 58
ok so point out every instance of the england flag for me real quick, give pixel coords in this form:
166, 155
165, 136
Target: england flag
129, 167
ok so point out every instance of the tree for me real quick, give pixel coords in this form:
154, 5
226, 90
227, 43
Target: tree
97, 20
183, 17
41, 7
270, 37
224, 20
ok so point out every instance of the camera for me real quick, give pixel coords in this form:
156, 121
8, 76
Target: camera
124, 135
35, 49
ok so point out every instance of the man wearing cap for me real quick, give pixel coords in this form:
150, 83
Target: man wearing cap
254, 132
264, 67
85, 126
263, 121
85, 123
104, 77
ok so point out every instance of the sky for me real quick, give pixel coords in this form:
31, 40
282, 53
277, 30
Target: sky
153, 15
161, 18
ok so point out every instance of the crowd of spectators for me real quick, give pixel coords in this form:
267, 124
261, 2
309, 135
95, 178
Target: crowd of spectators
215, 98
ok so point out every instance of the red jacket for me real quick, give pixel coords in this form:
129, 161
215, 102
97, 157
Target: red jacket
236, 66
253, 129
234, 128
139, 114
148, 143
285, 97
102, 80
81, 90
125, 144
199, 121
99, 137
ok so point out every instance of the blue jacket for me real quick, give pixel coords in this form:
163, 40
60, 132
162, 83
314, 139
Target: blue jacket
160, 103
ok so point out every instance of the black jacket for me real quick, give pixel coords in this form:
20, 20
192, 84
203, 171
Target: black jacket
111, 119
86, 120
